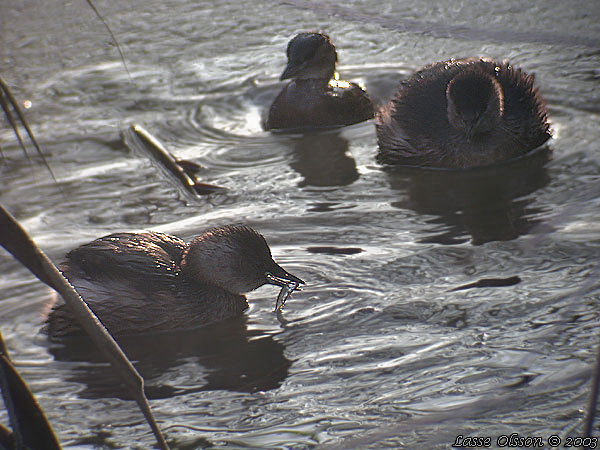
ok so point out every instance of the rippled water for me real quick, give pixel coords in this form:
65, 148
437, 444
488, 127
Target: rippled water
379, 351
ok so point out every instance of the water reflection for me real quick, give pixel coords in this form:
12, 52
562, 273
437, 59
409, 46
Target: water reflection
222, 356
323, 160
489, 204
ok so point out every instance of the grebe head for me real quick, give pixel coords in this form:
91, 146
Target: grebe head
235, 258
475, 102
310, 55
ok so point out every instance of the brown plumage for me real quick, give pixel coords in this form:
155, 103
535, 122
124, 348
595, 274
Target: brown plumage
460, 114
313, 99
139, 283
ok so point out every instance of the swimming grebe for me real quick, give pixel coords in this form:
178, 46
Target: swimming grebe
314, 99
460, 114
139, 283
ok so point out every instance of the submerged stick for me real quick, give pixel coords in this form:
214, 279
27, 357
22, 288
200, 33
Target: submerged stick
489, 282
16, 241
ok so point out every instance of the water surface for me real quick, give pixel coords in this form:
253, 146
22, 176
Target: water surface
379, 351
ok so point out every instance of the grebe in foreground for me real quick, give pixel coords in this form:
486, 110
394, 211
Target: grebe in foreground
460, 114
146, 282
314, 99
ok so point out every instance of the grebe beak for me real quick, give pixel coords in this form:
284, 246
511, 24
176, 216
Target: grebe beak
280, 277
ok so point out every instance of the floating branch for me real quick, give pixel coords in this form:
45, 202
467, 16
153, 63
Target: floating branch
182, 170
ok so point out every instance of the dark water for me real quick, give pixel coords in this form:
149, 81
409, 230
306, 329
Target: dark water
379, 351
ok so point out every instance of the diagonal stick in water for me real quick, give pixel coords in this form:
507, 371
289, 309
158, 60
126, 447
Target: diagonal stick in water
16, 241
